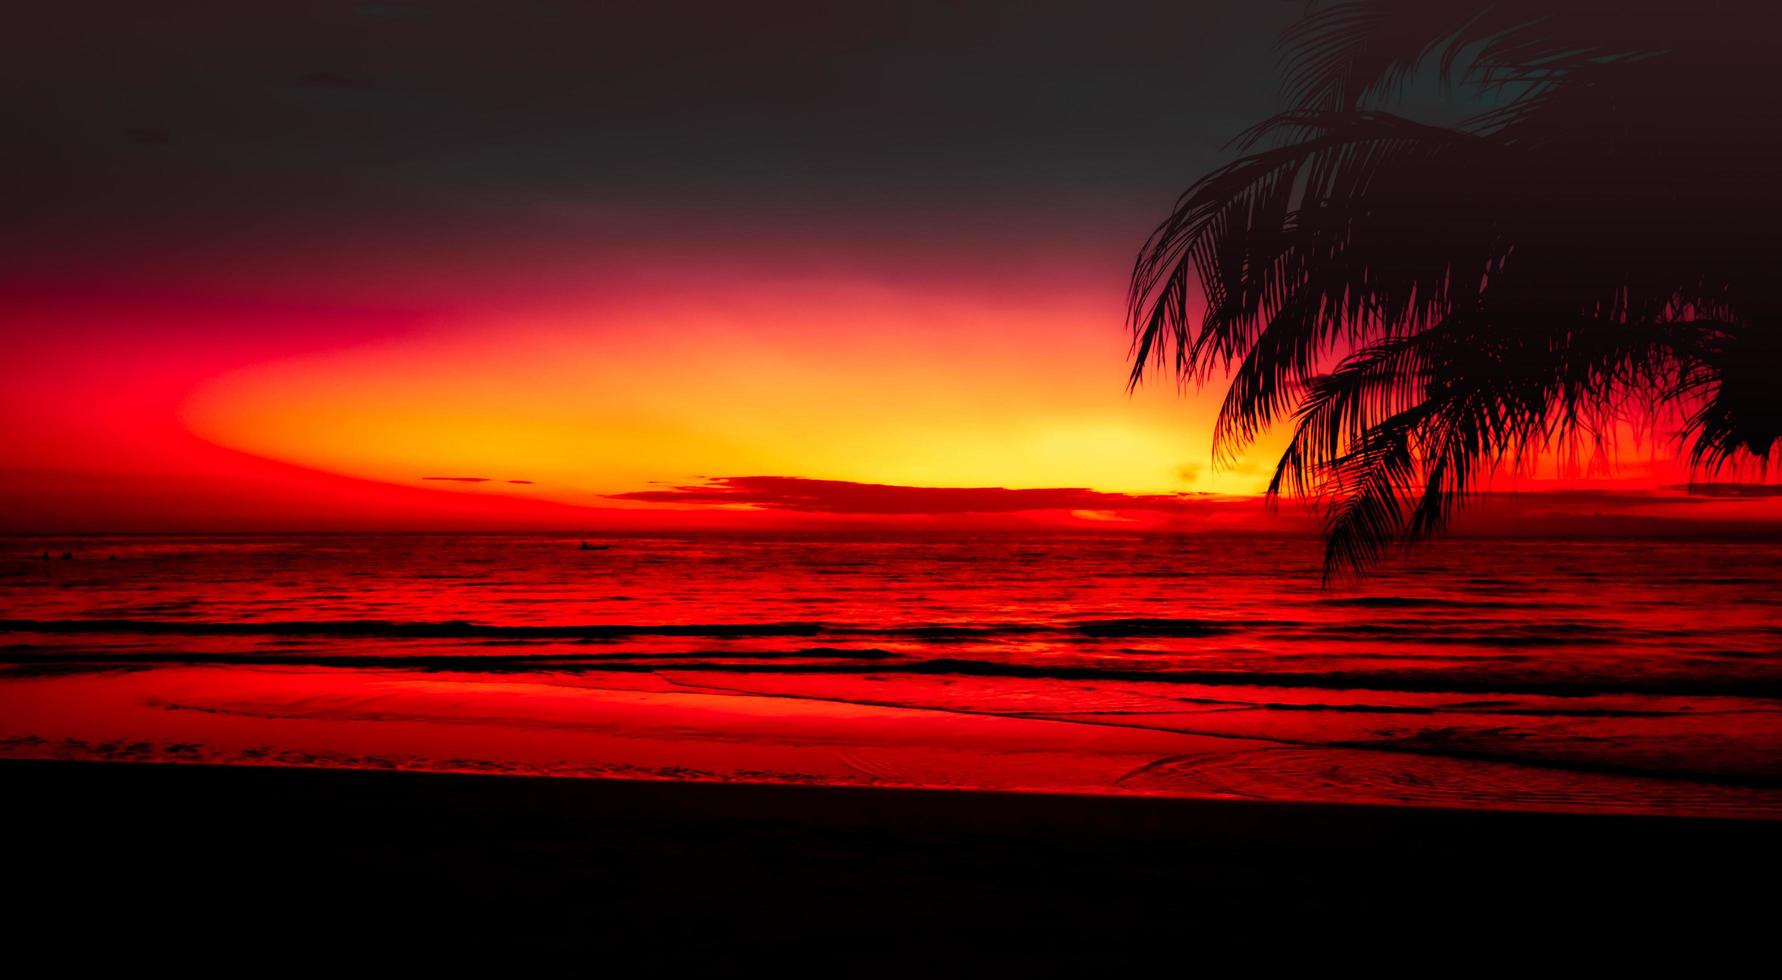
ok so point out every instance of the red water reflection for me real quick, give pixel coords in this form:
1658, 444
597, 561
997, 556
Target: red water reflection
1504, 674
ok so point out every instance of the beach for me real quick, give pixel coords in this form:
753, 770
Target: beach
202, 861
993, 489
875, 754
1197, 667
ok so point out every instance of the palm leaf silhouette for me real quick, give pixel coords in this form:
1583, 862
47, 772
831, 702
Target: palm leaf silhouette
1592, 248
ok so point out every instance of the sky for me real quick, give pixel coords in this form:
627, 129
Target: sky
361, 265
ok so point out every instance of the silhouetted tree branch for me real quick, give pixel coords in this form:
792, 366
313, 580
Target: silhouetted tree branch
1592, 245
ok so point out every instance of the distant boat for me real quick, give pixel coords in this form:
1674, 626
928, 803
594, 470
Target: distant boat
594, 547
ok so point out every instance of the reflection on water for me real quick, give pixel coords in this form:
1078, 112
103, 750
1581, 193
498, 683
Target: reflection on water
1580, 674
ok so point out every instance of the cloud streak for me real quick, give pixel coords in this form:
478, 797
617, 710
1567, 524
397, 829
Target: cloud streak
801, 495
1557, 512
1730, 489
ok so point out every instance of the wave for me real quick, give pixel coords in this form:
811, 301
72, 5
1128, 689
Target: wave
1423, 602
464, 629
830, 661
1505, 633
403, 629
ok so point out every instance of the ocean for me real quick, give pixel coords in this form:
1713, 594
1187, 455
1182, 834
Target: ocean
1641, 676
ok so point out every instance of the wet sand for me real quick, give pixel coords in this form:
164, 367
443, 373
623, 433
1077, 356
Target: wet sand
885, 732
191, 861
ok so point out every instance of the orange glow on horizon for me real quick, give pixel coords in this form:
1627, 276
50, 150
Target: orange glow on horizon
838, 382
156, 412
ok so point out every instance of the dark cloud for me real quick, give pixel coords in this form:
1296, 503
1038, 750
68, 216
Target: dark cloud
1599, 499
1730, 489
1661, 512
1586, 499
788, 493
799, 494
1658, 513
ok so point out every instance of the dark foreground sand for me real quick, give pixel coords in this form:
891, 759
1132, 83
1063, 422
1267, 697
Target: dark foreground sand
185, 862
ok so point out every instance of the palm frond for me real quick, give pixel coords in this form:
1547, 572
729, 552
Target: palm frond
1433, 303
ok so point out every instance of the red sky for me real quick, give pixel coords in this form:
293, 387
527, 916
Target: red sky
281, 284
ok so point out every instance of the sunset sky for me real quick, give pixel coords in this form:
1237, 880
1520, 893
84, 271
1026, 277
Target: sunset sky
292, 265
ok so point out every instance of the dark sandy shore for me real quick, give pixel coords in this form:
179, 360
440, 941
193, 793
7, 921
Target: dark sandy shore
185, 861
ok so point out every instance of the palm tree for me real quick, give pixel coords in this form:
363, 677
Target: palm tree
1593, 245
